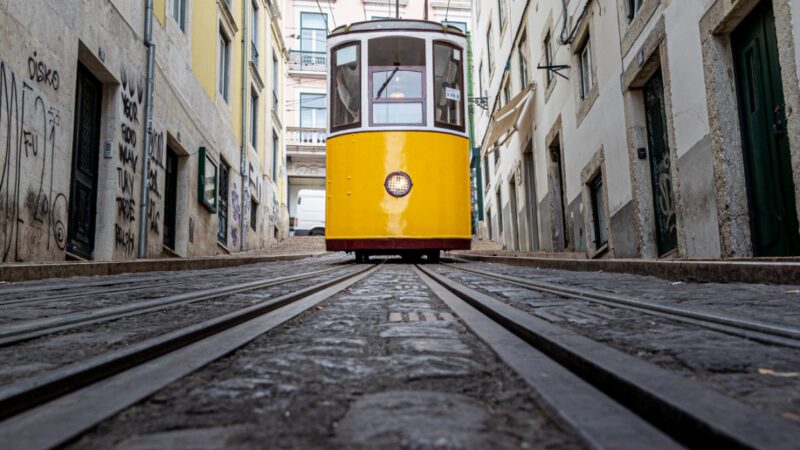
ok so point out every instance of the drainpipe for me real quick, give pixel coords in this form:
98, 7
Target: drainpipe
475, 154
245, 97
148, 125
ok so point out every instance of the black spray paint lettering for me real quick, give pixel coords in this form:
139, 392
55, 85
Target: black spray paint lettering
123, 239
39, 72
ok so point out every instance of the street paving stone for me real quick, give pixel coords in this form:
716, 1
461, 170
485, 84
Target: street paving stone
344, 375
729, 364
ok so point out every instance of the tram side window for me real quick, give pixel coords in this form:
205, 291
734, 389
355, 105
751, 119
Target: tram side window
346, 87
397, 81
448, 86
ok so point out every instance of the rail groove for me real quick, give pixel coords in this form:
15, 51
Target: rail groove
690, 413
768, 333
50, 409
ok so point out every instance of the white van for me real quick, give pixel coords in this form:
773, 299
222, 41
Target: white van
310, 213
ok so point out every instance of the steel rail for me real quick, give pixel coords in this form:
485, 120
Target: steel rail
692, 414
17, 332
779, 334
31, 392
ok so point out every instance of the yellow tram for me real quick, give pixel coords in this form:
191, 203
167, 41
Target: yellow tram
397, 149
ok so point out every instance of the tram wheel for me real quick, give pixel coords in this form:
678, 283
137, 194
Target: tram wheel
434, 256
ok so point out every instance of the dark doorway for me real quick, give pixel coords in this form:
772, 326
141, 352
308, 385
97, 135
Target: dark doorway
170, 199
560, 235
83, 178
222, 204
768, 168
531, 205
660, 164
512, 204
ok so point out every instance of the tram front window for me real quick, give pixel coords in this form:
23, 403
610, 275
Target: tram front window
397, 81
346, 87
447, 86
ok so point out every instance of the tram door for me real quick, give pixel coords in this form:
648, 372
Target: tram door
660, 164
83, 178
768, 167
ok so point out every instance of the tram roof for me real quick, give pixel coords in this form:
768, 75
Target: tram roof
396, 25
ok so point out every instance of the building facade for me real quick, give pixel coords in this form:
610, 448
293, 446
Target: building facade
78, 145
306, 26
640, 128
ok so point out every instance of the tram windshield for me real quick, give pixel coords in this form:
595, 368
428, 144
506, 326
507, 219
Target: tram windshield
346, 87
447, 86
397, 81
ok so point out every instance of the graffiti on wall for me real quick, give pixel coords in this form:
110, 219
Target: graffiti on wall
237, 214
29, 200
132, 94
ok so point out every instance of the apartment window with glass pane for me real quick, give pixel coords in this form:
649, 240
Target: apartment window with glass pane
312, 115
254, 35
522, 53
274, 155
222, 202
501, 12
489, 58
275, 80
223, 65
313, 32
633, 8
506, 92
397, 81
548, 58
585, 66
599, 219
178, 12
448, 86
254, 119
346, 87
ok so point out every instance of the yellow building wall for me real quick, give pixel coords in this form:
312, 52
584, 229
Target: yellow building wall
205, 29
160, 11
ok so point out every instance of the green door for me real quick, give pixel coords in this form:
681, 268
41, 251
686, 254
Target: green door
660, 164
768, 170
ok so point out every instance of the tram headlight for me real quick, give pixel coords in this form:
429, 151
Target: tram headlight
398, 184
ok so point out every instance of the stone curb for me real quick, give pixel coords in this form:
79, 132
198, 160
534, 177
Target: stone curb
699, 271
16, 272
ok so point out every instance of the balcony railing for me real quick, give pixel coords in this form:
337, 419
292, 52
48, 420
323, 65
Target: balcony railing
299, 136
307, 61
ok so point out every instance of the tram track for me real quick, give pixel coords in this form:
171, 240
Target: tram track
768, 333
16, 332
50, 409
679, 408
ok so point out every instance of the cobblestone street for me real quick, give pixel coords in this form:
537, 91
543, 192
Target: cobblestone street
384, 360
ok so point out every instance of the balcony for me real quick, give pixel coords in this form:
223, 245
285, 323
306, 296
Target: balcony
307, 61
310, 140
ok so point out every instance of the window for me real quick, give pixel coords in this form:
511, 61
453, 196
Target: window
312, 111
274, 155
548, 58
275, 77
397, 81
222, 201
313, 31
223, 65
585, 67
599, 219
633, 8
254, 34
499, 207
254, 118
253, 214
346, 87
207, 181
460, 25
489, 58
506, 91
178, 12
489, 217
448, 86
501, 12
522, 53
486, 171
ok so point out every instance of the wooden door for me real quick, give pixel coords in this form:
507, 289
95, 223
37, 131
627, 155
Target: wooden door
83, 178
170, 199
768, 170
